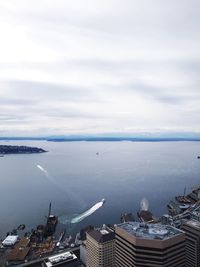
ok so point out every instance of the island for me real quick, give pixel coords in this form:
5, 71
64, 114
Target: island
7, 149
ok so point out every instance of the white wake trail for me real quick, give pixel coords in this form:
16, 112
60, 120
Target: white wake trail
88, 212
48, 176
71, 195
43, 170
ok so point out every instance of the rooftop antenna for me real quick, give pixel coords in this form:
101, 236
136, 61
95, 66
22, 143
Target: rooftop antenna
49, 209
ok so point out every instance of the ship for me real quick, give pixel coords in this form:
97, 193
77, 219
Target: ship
51, 223
103, 200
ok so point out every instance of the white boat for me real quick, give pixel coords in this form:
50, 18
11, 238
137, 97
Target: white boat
103, 200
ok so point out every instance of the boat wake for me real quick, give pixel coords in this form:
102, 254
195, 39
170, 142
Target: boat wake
76, 218
48, 176
72, 196
43, 170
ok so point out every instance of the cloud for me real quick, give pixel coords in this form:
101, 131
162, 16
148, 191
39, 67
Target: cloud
45, 91
99, 66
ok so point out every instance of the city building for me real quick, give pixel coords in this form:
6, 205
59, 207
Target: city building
192, 232
83, 253
100, 247
140, 244
10, 240
19, 252
62, 259
195, 214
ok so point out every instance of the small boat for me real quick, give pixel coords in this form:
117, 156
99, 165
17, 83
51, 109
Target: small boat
198, 157
103, 200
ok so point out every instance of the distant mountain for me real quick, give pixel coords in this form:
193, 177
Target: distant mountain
114, 139
135, 137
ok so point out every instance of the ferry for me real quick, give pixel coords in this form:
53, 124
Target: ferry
103, 200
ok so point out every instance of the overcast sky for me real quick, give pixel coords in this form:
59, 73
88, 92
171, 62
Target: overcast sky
99, 66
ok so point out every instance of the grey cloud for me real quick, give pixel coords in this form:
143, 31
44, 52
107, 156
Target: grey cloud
70, 113
47, 91
170, 100
176, 96
93, 58
56, 112
142, 15
10, 118
14, 101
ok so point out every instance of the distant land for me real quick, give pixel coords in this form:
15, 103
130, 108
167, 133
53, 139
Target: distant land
7, 149
118, 139
142, 137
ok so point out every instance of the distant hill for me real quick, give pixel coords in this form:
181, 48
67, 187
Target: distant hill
118, 139
143, 137
6, 149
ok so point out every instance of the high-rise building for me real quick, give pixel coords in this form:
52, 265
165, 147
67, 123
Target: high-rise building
100, 248
140, 244
195, 214
192, 231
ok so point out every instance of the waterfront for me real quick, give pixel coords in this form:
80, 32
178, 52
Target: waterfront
82, 173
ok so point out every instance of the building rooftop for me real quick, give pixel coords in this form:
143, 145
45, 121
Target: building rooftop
195, 214
20, 250
194, 224
150, 231
62, 258
10, 240
102, 235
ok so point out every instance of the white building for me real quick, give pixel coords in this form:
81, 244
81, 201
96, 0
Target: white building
10, 240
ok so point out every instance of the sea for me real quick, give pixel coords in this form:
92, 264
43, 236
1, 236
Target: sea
75, 176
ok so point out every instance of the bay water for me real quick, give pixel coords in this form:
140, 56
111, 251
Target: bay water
80, 174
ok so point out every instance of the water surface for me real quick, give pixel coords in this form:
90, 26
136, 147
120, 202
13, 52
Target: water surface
121, 172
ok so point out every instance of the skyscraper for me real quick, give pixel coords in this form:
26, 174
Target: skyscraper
139, 244
100, 248
192, 231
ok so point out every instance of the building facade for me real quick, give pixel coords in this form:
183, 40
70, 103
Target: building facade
192, 231
100, 248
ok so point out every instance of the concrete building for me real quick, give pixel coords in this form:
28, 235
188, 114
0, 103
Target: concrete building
195, 214
100, 248
192, 231
62, 259
10, 240
83, 253
19, 252
140, 244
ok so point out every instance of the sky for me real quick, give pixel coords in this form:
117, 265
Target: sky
99, 66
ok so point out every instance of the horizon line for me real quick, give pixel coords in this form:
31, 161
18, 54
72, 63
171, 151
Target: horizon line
110, 137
